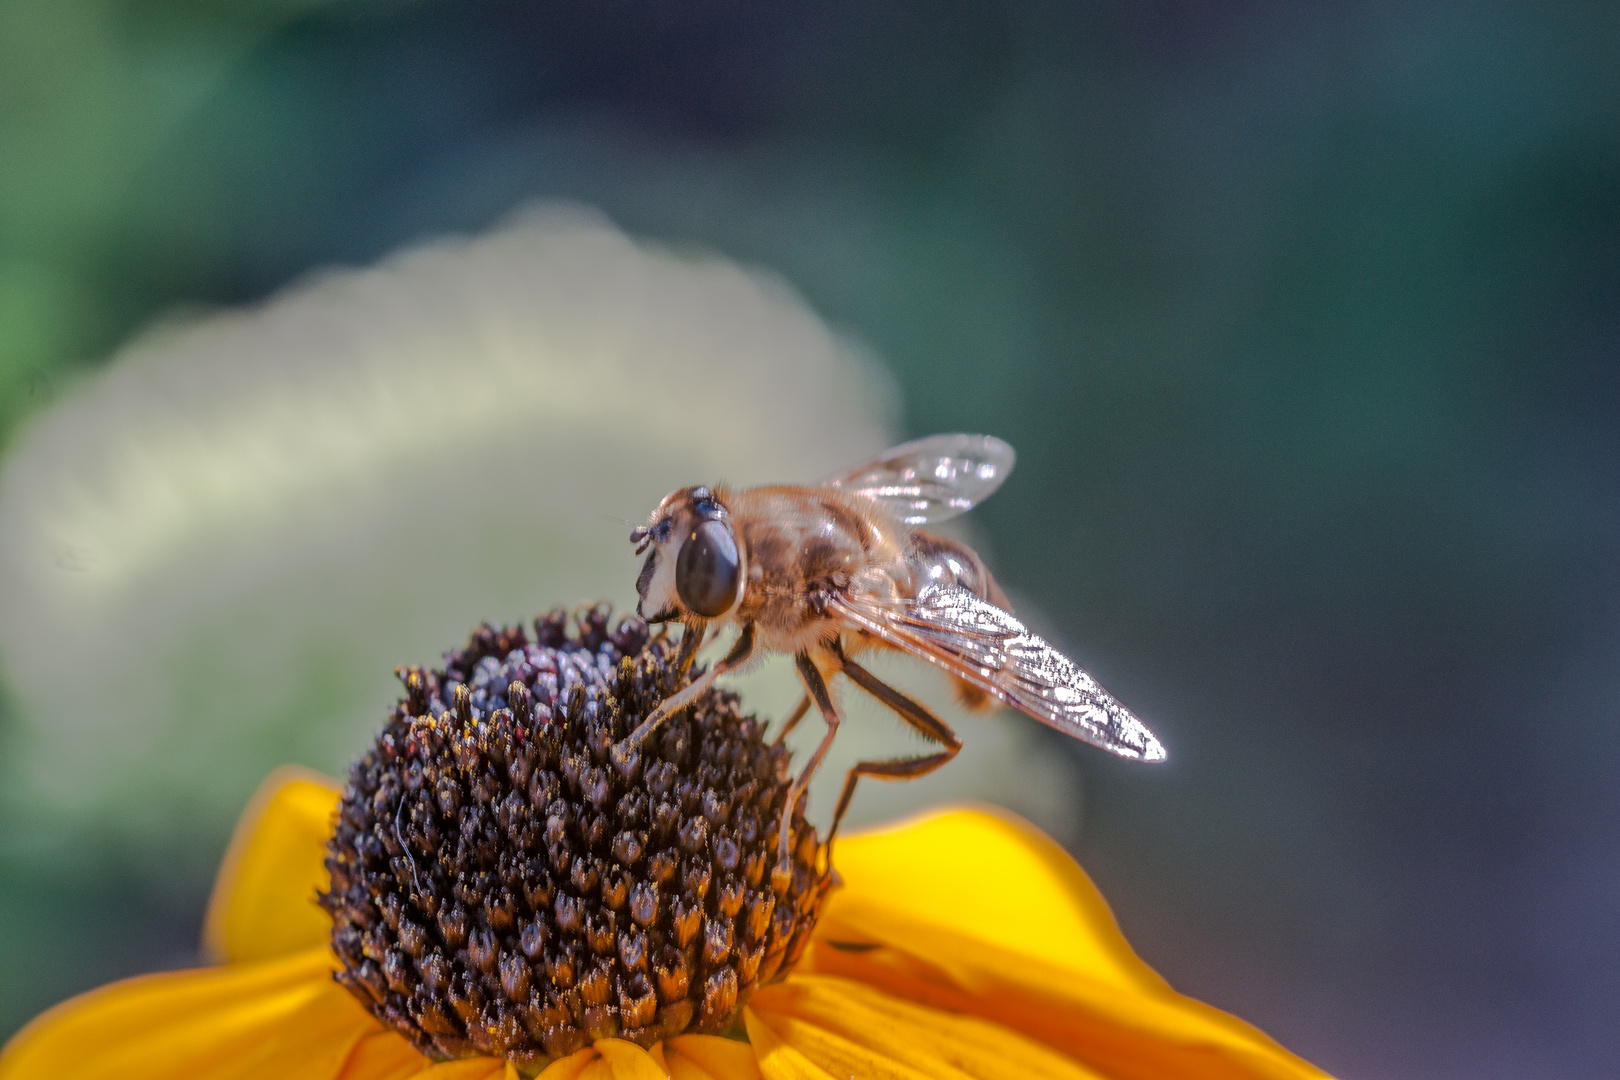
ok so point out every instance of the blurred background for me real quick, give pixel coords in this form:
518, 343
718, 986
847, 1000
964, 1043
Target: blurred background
1304, 319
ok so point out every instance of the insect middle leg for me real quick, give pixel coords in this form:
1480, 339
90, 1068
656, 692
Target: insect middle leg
914, 713
792, 720
817, 687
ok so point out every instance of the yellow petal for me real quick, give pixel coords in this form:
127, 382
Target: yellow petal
1118, 1032
996, 879
777, 1060
478, 1068
263, 904
930, 1041
831, 1055
897, 926
572, 1066
383, 1055
625, 1060
209, 1023
709, 1057
799, 1044
311, 1044
607, 1059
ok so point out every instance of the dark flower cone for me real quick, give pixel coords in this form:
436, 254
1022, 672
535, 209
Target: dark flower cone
500, 887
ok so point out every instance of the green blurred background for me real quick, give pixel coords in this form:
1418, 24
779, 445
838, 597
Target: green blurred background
1305, 320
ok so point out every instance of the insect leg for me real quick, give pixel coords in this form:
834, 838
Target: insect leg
924, 722
690, 641
792, 720
740, 651
817, 687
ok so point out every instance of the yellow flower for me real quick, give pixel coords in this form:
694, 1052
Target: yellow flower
962, 944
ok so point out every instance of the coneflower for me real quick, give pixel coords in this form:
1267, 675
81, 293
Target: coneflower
499, 887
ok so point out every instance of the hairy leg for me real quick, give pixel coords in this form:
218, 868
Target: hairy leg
914, 713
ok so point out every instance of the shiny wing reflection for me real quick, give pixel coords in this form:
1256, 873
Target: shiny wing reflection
931, 479
977, 641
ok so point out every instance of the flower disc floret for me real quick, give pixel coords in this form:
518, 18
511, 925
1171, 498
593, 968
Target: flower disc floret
499, 886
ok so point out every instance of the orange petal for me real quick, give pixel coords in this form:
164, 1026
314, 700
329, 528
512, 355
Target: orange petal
709, 1057
246, 1022
815, 1011
263, 904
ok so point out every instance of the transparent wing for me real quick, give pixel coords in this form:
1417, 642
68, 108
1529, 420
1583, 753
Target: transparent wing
984, 645
931, 479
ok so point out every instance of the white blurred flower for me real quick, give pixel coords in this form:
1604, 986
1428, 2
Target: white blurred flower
214, 553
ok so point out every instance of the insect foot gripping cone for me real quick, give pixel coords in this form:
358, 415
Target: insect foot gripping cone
500, 887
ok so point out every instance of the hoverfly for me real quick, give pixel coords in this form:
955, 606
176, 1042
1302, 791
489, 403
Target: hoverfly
824, 571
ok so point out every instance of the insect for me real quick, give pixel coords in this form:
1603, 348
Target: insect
825, 571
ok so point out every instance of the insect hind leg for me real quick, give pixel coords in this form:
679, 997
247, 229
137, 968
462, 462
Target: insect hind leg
914, 713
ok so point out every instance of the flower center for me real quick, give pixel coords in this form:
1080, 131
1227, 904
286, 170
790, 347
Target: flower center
500, 887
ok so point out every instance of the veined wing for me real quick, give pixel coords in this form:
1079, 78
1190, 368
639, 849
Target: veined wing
931, 479
984, 645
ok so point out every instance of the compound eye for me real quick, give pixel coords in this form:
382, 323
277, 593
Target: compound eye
707, 569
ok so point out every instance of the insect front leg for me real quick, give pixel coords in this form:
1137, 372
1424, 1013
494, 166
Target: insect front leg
782, 873
691, 640
626, 750
914, 713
